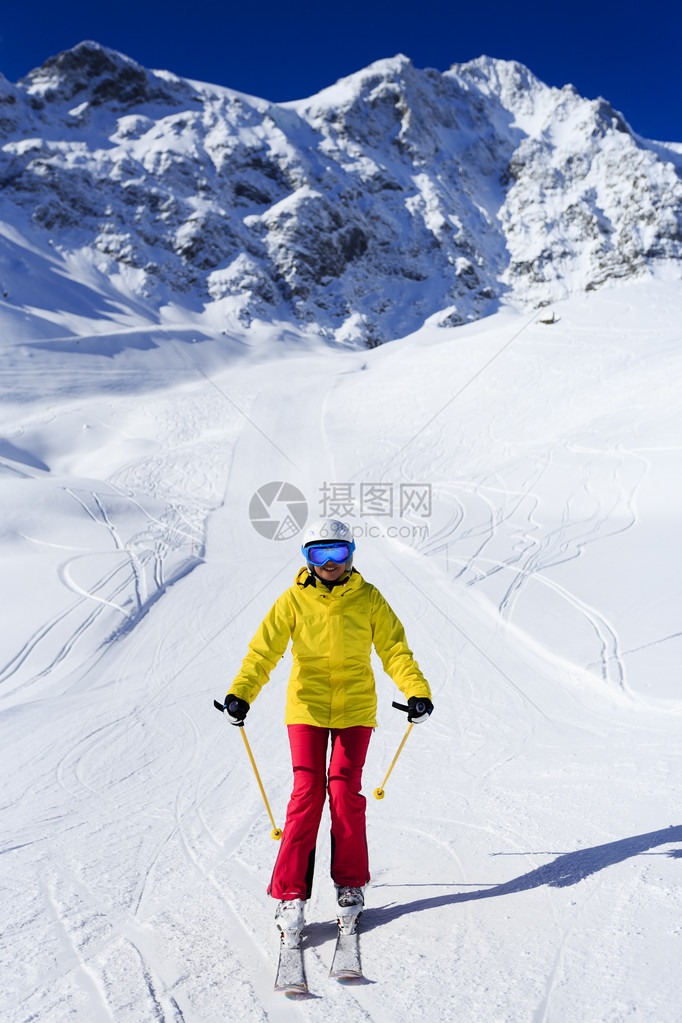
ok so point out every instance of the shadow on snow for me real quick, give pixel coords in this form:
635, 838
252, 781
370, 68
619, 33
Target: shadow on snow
566, 870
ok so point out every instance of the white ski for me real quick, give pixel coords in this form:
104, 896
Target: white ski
346, 966
290, 979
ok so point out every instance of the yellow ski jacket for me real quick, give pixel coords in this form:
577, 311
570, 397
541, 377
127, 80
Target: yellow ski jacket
331, 683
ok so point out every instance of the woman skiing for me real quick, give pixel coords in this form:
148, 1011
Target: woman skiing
332, 617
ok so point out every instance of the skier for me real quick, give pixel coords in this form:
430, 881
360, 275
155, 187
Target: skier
333, 617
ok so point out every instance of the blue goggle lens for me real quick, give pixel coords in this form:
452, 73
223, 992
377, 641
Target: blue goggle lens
322, 553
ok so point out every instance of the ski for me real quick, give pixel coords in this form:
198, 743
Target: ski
290, 979
346, 966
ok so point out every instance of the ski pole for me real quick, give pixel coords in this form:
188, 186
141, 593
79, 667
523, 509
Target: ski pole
379, 793
276, 832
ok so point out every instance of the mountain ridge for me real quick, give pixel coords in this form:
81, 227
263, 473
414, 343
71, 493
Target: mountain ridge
394, 196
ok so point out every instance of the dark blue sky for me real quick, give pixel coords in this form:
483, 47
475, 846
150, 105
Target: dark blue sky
628, 51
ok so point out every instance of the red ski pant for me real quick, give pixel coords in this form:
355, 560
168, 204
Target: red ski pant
293, 874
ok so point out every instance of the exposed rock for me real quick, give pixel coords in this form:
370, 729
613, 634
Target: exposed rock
105, 76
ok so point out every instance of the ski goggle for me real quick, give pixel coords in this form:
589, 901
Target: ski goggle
321, 553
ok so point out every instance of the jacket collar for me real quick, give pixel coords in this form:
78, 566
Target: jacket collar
304, 578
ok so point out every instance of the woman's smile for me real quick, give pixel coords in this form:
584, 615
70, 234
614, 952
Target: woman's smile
331, 570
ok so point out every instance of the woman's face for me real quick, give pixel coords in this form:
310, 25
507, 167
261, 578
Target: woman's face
331, 571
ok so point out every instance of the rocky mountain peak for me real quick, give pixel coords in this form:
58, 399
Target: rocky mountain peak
395, 195
93, 73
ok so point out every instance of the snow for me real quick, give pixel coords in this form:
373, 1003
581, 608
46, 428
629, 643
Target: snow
526, 857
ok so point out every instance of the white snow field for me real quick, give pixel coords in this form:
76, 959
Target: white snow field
527, 857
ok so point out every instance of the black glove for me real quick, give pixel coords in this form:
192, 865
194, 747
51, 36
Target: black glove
420, 708
236, 708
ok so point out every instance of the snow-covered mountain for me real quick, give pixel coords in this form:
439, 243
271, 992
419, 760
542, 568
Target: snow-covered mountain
396, 195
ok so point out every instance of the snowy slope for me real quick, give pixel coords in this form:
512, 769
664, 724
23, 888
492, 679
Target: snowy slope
395, 195
526, 858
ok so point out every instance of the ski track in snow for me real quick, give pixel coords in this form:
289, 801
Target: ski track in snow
526, 857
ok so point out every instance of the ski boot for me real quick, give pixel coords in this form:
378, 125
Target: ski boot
350, 903
289, 919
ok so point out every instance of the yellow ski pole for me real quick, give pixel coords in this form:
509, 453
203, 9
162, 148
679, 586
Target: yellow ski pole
276, 832
379, 793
